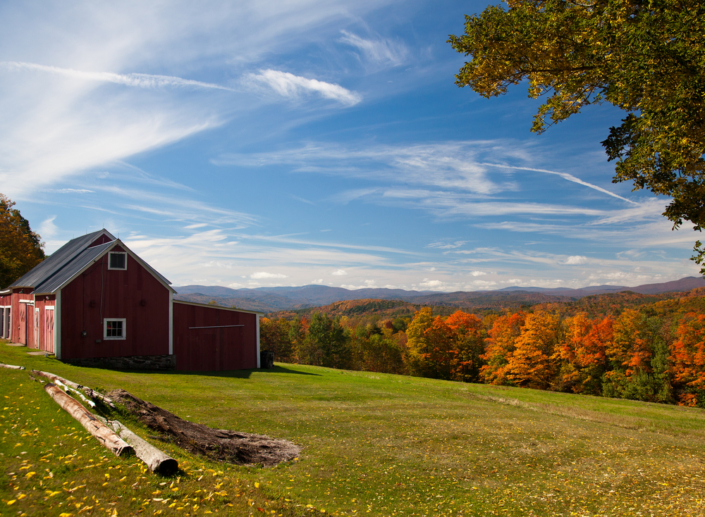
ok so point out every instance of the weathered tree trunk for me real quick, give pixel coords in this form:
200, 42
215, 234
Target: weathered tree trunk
100, 431
95, 395
55, 378
155, 459
78, 387
12, 366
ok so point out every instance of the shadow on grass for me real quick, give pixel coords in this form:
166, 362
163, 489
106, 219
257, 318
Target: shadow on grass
233, 374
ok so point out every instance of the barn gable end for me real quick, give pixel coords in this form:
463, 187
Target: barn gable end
95, 302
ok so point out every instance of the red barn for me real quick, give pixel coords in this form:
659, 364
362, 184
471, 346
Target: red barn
95, 302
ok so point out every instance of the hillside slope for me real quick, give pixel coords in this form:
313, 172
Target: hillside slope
372, 444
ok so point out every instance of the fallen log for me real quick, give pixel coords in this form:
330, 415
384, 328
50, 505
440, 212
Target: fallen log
11, 366
78, 388
98, 396
55, 378
217, 444
99, 430
155, 459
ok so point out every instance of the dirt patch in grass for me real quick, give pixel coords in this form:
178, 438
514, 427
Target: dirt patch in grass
217, 444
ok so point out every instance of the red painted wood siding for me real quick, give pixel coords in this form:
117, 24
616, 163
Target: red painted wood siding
41, 303
133, 294
213, 349
19, 325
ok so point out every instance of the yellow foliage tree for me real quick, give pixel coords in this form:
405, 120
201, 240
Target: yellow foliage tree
20, 248
530, 365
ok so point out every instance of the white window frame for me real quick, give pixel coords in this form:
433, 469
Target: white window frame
117, 253
114, 338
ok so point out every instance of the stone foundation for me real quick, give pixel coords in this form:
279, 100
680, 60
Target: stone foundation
136, 362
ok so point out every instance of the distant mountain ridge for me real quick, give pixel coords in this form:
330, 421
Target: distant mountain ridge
270, 299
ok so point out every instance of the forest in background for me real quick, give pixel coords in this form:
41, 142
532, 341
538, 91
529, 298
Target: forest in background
623, 345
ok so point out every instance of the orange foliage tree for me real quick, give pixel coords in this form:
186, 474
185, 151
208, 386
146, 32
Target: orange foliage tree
530, 364
500, 345
583, 354
688, 360
629, 350
469, 343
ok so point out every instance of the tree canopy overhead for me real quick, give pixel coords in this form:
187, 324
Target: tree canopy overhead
646, 57
20, 248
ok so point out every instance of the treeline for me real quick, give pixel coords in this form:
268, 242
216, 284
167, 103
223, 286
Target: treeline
652, 352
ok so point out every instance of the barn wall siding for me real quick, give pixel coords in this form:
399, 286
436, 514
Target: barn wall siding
21, 332
45, 341
213, 349
100, 293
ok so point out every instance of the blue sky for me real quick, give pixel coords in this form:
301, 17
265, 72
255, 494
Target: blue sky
250, 144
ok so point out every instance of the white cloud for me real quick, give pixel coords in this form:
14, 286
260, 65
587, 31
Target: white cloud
446, 245
261, 275
134, 79
73, 191
293, 86
478, 273
70, 98
565, 176
576, 259
381, 51
339, 272
48, 229
457, 165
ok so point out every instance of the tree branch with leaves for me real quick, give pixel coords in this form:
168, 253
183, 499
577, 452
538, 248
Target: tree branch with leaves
646, 57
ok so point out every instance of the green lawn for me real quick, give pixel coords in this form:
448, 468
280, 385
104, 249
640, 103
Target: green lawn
372, 444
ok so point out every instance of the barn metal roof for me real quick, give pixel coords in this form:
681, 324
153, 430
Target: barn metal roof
51, 266
84, 258
73, 257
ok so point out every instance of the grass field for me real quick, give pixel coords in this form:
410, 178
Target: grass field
374, 444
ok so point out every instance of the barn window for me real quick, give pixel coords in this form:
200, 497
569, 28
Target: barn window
117, 260
114, 328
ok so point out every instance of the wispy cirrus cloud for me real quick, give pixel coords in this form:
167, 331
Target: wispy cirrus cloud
565, 176
461, 165
136, 80
378, 51
293, 86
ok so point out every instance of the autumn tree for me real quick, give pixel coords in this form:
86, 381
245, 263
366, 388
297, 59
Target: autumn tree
500, 345
688, 357
531, 364
20, 247
646, 57
440, 360
469, 343
639, 359
418, 344
275, 337
582, 354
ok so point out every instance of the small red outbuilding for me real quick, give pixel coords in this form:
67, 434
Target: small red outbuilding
94, 301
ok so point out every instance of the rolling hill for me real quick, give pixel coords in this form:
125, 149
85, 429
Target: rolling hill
272, 299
